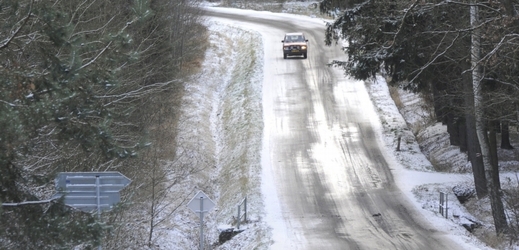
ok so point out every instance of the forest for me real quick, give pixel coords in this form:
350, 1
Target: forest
91, 86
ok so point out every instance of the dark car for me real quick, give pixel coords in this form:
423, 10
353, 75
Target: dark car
295, 44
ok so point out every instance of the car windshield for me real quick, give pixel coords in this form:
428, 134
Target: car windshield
295, 38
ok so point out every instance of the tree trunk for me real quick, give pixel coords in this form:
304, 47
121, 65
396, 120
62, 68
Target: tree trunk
498, 210
492, 142
509, 7
496, 203
152, 211
438, 104
453, 130
505, 136
472, 142
461, 125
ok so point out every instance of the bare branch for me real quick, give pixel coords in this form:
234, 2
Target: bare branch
28, 202
6, 42
95, 58
425, 66
402, 23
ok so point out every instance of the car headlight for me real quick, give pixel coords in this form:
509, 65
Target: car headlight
286, 48
303, 47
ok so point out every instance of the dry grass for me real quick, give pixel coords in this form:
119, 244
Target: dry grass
393, 92
438, 166
417, 128
492, 240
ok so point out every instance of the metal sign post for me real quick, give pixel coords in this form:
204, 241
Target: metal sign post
98, 208
98, 198
201, 223
201, 204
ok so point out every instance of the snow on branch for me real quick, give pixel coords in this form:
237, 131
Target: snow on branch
6, 42
28, 202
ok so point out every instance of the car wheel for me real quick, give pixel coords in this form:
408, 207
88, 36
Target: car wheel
284, 56
304, 55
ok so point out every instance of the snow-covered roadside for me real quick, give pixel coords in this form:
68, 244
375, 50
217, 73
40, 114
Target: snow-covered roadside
240, 126
424, 184
220, 132
415, 175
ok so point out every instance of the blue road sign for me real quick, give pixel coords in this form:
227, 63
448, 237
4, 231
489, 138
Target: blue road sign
89, 191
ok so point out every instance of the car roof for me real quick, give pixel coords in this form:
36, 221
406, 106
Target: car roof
294, 34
